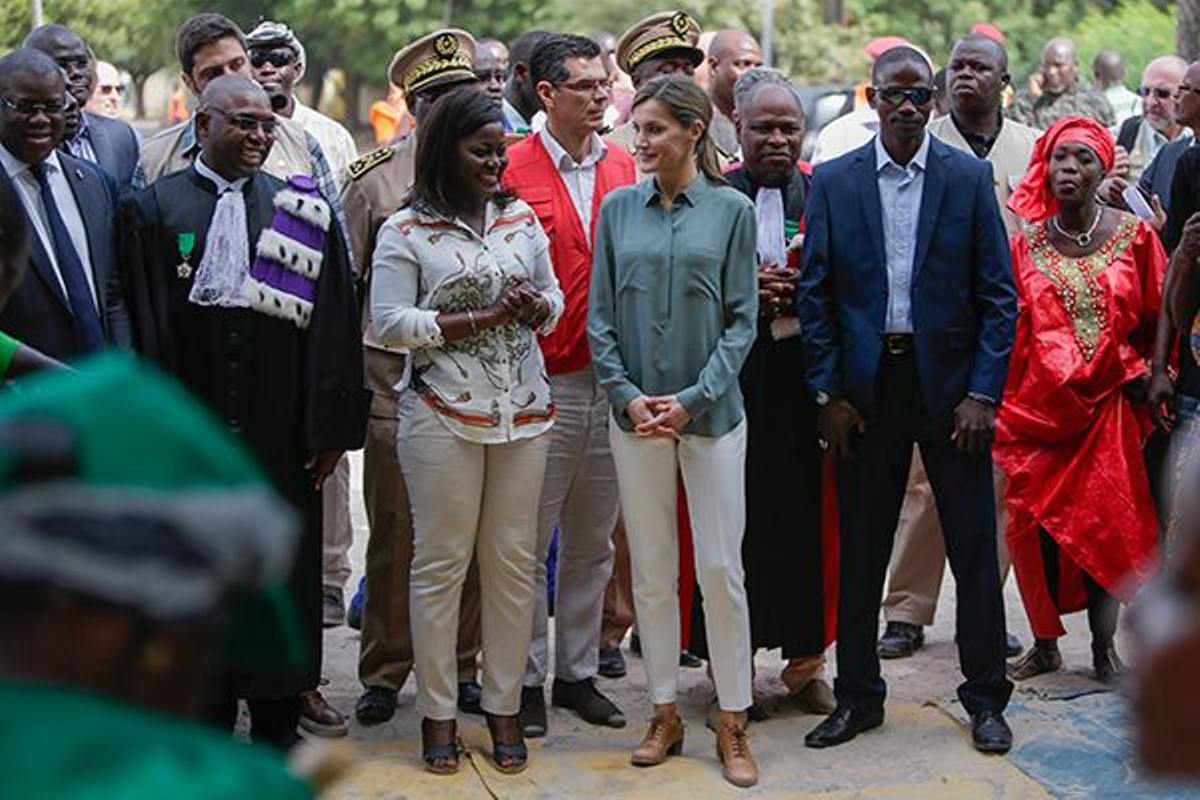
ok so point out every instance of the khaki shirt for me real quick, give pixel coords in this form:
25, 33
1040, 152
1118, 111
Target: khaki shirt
1009, 158
175, 148
373, 189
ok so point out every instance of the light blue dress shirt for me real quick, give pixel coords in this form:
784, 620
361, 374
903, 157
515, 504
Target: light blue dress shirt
900, 190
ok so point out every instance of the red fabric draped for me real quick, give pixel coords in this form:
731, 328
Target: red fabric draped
1032, 200
1067, 436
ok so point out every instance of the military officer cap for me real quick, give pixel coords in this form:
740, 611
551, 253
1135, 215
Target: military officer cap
443, 57
669, 32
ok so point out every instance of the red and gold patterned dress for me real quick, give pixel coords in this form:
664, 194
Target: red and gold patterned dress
1068, 437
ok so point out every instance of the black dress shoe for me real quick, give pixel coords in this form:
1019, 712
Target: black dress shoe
611, 664
900, 640
377, 705
690, 660
1012, 646
990, 732
470, 694
533, 712
585, 699
843, 725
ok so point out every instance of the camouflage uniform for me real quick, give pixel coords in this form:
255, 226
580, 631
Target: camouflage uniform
1078, 100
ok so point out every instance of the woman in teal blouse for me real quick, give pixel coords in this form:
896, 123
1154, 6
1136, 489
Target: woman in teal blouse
672, 315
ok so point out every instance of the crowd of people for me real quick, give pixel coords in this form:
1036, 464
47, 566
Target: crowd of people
616, 354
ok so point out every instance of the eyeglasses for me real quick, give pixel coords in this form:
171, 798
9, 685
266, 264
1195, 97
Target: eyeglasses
28, 108
106, 89
896, 95
588, 86
247, 123
278, 58
1157, 91
486, 75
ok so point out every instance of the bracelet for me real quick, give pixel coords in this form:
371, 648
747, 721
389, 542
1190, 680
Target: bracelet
471, 319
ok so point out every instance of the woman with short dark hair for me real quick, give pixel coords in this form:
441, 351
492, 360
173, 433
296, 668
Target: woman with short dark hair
462, 279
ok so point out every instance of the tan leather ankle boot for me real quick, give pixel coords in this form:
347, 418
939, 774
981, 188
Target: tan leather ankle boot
663, 738
733, 750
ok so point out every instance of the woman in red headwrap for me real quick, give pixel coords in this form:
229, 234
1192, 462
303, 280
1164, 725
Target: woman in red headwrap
1082, 527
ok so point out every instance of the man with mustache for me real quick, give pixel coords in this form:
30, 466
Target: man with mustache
976, 76
240, 288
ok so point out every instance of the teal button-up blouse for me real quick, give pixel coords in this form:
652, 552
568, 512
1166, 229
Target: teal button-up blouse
673, 306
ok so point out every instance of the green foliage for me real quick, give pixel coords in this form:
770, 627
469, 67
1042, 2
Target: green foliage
1137, 29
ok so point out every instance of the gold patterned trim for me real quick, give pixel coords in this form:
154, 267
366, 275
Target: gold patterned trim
1077, 280
655, 45
424, 72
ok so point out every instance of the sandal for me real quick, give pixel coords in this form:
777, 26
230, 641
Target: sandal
510, 757
441, 757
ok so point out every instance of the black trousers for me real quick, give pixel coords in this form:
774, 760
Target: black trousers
272, 722
871, 485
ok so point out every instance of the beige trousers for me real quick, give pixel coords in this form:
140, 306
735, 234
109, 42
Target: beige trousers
385, 656
919, 556
336, 531
714, 476
467, 500
579, 497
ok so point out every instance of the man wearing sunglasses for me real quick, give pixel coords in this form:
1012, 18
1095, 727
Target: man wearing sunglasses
277, 62
111, 144
108, 97
907, 314
1145, 134
273, 348
69, 302
209, 46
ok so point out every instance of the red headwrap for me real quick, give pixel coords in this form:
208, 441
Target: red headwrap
1032, 200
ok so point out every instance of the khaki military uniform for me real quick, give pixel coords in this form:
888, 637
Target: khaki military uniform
1079, 100
373, 189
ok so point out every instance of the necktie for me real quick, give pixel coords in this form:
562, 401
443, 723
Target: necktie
88, 331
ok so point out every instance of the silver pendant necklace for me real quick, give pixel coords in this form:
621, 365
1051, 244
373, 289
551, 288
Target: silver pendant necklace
1082, 239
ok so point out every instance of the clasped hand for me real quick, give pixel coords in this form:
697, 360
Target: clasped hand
776, 290
661, 416
520, 301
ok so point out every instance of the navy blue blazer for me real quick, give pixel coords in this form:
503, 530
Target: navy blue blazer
116, 146
964, 306
38, 313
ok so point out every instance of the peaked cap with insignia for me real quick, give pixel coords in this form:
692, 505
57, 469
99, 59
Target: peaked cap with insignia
442, 57
657, 35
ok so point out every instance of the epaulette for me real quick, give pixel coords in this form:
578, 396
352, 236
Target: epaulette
361, 166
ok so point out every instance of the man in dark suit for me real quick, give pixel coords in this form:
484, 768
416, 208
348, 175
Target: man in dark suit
907, 312
69, 302
109, 143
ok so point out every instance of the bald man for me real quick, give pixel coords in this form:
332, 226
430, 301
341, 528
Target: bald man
1108, 71
1061, 92
276, 354
730, 56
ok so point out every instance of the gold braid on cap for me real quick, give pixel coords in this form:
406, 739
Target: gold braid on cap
642, 52
431, 68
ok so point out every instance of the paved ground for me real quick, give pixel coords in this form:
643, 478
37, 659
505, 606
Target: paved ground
1072, 737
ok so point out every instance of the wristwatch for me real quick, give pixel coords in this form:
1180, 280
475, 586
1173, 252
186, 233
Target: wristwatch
822, 397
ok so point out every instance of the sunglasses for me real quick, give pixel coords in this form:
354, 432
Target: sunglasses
896, 95
28, 108
110, 88
1157, 91
278, 58
247, 123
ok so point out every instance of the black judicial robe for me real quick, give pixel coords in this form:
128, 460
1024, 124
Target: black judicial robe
285, 391
784, 549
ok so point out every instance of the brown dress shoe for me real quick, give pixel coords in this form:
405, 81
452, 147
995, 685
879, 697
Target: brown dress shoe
1038, 660
320, 718
733, 750
663, 738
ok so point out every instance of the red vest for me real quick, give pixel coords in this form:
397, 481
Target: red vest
535, 179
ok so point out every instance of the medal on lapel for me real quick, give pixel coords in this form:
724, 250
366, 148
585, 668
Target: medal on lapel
187, 243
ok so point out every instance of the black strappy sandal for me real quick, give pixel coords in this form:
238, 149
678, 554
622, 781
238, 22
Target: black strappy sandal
441, 758
509, 757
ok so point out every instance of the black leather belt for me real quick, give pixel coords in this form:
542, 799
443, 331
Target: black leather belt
898, 344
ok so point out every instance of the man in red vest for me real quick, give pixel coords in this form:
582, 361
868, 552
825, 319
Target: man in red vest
563, 173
